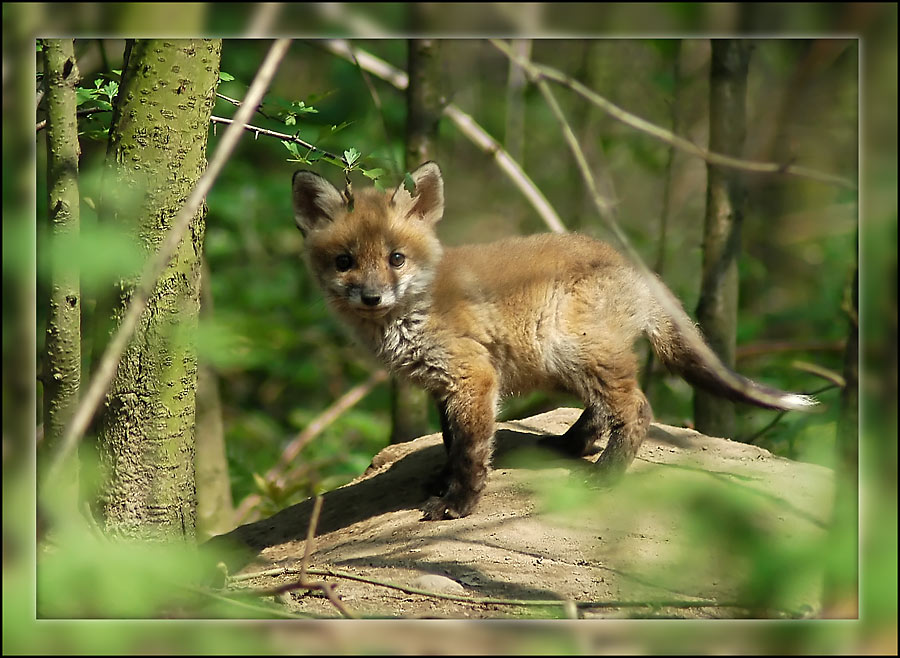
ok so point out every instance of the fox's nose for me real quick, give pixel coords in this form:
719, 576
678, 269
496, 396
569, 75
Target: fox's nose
371, 300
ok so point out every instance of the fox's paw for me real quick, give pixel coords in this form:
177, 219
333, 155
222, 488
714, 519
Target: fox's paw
568, 446
446, 507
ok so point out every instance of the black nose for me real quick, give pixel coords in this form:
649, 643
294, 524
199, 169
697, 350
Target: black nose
371, 300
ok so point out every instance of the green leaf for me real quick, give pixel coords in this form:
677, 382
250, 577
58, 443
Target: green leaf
300, 106
409, 183
351, 155
261, 484
290, 119
340, 126
373, 173
225, 77
292, 147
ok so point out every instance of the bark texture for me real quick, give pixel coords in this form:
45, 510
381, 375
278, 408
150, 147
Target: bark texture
62, 364
157, 152
717, 308
409, 404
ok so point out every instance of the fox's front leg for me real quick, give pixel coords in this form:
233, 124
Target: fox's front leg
467, 416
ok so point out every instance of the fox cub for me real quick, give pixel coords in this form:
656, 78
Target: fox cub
472, 324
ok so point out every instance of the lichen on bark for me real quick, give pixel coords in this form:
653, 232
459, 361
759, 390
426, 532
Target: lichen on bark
157, 153
62, 360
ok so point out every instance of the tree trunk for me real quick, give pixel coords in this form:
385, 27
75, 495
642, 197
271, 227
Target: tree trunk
62, 364
717, 308
409, 404
157, 151
215, 507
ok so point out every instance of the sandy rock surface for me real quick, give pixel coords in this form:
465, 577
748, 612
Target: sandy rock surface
540, 535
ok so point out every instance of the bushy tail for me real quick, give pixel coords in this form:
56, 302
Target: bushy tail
681, 347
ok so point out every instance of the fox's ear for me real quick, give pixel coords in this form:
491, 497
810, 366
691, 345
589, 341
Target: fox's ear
426, 202
316, 201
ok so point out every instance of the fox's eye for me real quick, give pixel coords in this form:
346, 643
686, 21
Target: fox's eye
397, 259
343, 262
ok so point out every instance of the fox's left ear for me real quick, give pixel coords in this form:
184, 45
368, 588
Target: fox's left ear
427, 199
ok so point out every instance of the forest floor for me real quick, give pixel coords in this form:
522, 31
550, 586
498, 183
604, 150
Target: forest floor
681, 536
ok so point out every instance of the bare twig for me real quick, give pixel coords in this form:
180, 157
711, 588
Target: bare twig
777, 419
310, 536
819, 371
661, 603
276, 475
774, 347
538, 70
40, 125
466, 124
302, 582
376, 99
156, 265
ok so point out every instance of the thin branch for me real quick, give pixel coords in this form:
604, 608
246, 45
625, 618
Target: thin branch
276, 475
40, 125
819, 371
661, 603
155, 266
542, 71
466, 124
774, 347
283, 136
376, 99
756, 435
302, 582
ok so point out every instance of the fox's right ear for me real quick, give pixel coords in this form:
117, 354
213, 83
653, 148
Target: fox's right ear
316, 201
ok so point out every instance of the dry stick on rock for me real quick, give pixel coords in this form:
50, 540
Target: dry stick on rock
484, 600
157, 264
302, 582
466, 124
276, 475
660, 292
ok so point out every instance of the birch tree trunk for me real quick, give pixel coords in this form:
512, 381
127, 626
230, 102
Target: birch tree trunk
409, 404
62, 364
157, 150
717, 308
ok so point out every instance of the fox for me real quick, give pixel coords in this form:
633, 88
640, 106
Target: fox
473, 324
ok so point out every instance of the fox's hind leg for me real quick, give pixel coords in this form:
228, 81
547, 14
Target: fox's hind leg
615, 409
629, 421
